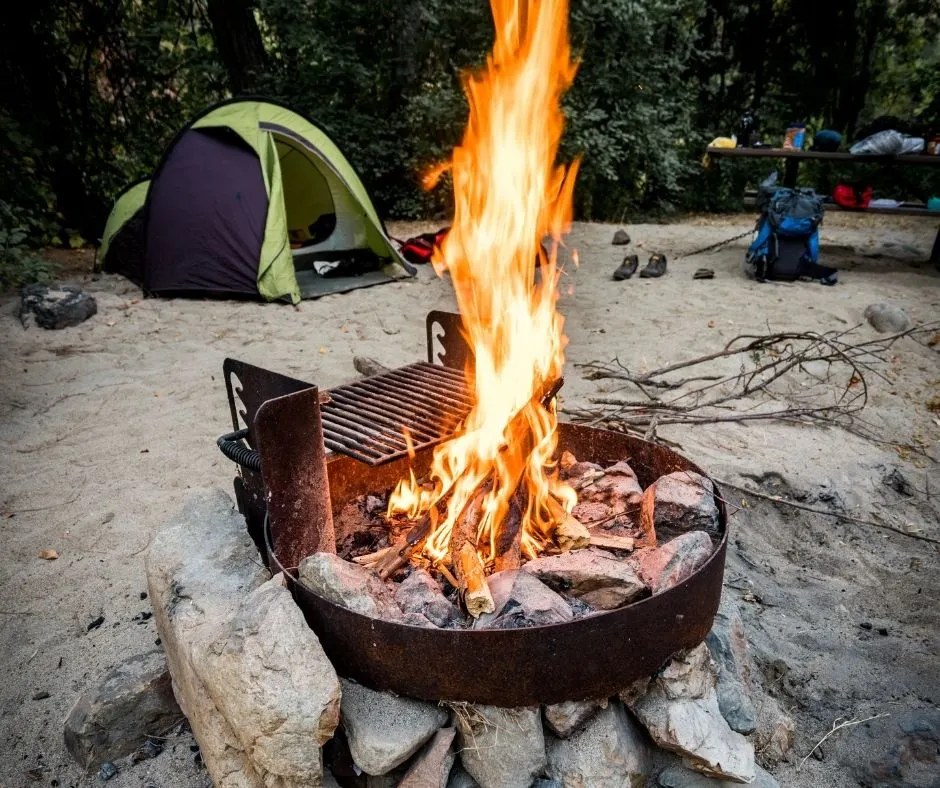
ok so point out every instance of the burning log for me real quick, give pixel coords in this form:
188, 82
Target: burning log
509, 539
393, 558
472, 582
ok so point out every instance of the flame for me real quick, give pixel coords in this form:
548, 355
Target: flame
509, 194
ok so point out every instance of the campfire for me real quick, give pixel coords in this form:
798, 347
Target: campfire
494, 492
441, 508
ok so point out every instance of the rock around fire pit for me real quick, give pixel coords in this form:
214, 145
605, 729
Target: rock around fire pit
268, 708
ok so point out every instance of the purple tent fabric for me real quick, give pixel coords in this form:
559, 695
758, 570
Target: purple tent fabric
207, 211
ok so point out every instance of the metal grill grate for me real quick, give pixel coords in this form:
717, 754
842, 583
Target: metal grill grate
368, 419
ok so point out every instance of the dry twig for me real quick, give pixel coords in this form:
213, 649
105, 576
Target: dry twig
837, 726
795, 377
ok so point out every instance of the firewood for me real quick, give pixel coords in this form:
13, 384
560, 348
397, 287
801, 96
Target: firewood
570, 534
648, 517
471, 582
609, 542
509, 537
400, 553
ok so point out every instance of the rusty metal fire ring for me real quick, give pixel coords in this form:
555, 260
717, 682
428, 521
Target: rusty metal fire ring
590, 657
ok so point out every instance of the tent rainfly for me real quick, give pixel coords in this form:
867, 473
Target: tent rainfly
250, 198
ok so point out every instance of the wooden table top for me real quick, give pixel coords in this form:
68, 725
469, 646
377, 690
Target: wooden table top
787, 153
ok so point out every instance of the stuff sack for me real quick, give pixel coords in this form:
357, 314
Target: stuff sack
786, 242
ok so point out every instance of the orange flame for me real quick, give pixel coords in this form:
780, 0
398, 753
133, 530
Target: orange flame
509, 194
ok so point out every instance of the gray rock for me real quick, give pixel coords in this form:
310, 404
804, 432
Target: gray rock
621, 238
663, 567
194, 594
677, 777
107, 771
420, 593
543, 783
727, 644
609, 752
680, 712
501, 748
273, 683
329, 781
200, 567
113, 719
56, 307
685, 501
432, 766
592, 576
385, 730
887, 318
348, 584
695, 729
521, 600
460, 779
566, 717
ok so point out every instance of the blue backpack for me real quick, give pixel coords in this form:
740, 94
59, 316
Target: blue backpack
786, 245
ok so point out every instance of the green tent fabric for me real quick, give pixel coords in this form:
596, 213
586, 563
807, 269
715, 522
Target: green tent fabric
128, 203
314, 202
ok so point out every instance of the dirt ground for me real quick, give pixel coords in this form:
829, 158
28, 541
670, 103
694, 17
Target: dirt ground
107, 427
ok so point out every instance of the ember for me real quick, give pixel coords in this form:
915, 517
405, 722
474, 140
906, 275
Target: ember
495, 488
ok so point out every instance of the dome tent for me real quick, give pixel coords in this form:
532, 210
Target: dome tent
237, 188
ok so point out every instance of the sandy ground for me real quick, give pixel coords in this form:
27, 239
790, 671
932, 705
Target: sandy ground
107, 427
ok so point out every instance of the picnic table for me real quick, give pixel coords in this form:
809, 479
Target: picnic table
794, 157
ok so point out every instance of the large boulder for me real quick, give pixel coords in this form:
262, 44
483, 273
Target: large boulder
113, 719
609, 752
273, 683
201, 568
500, 747
385, 730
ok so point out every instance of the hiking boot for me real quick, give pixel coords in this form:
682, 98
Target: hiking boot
655, 267
627, 268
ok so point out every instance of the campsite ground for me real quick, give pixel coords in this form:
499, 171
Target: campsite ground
106, 428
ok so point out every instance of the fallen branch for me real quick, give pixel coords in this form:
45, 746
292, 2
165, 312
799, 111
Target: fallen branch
827, 361
816, 510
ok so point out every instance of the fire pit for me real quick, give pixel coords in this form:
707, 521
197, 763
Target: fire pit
307, 484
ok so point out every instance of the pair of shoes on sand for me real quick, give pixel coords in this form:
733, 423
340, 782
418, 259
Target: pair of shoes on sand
656, 267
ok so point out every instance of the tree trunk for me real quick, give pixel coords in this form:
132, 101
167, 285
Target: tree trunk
238, 40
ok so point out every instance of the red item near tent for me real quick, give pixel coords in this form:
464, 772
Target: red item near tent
420, 248
849, 197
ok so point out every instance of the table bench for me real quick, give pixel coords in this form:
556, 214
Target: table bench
793, 159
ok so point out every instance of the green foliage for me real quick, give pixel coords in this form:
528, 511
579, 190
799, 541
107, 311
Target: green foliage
95, 90
19, 264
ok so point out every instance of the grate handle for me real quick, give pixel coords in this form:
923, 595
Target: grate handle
232, 446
